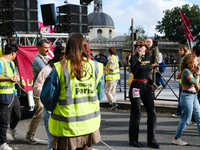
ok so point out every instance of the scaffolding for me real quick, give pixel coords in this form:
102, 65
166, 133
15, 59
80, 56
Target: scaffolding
31, 39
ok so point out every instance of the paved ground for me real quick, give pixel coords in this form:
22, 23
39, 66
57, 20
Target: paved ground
114, 132
114, 124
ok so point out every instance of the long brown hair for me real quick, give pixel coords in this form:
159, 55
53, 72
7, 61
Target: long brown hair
77, 53
188, 62
185, 49
148, 51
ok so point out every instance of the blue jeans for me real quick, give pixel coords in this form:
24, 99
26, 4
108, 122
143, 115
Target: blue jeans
179, 110
159, 80
46, 115
189, 104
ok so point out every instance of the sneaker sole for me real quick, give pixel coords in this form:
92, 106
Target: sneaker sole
114, 107
33, 143
179, 144
158, 88
176, 116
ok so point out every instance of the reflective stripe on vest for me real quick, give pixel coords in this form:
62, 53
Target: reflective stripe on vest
7, 87
77, 111
115, 75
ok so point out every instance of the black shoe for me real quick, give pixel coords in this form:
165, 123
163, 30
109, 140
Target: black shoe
153, 145
30, 140
114, 106
136, 144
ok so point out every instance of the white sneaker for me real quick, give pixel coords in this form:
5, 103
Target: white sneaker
176, 115
13, 133
159, 87
5, 146
178, 141
192, 123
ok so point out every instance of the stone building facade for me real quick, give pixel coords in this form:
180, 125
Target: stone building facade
100, 24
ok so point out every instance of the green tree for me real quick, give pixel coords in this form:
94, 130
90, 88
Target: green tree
171, 24
141, 32
138, 29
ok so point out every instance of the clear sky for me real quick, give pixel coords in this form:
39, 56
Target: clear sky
145, 13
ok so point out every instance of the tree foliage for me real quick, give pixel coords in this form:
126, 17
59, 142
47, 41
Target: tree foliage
171, 24
138, 29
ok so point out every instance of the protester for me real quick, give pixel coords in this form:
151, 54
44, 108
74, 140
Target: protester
127, 58
112, 77
196, 50
100, 57
166, 58
75, 120
141, 90
171, 58
154, 55
198, 43
159, 80
183, 50
39, 62
59, 54
188, 99
10, 110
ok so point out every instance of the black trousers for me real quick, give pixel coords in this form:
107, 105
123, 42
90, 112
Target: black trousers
8, 116
135, 115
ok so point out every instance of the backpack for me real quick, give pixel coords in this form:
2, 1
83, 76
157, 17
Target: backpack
103, 60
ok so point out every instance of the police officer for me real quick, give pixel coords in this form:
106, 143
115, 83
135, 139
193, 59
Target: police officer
9, 103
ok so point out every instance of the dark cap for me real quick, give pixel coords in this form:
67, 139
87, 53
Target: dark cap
60, 48
9, 48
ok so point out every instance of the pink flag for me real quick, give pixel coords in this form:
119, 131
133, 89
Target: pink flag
25, 56
186, 22
41, 25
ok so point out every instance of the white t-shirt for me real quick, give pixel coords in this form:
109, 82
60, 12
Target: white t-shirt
160, 57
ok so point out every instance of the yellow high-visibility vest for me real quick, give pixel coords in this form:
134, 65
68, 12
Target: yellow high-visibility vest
7, 87
114, 75
77, 111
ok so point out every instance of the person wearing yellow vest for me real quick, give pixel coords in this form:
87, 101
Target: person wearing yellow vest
112, 77
73, 83
10, 111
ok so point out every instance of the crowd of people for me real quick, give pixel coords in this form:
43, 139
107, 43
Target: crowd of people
68, 88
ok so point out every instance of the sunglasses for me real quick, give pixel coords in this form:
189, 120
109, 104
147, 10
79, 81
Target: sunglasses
139, 45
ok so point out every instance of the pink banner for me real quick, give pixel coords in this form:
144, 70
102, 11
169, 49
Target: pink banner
25, 57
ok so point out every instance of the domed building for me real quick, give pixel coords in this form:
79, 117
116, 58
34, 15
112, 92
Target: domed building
100, 24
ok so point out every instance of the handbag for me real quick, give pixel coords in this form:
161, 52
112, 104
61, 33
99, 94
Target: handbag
130, 79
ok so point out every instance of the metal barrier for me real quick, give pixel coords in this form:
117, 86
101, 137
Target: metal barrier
175, 69
156, 68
